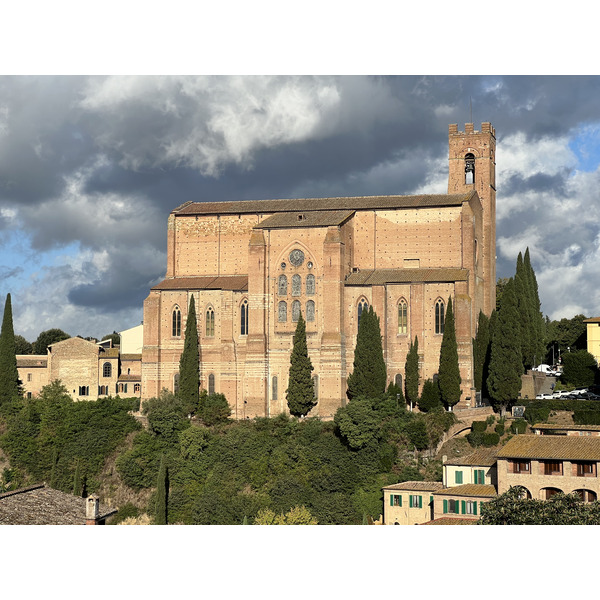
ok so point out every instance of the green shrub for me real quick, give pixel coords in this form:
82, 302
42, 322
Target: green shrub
499, 429
490, 439
518, 426
479, 426
586, 417
475, 438
125, 512
537, 414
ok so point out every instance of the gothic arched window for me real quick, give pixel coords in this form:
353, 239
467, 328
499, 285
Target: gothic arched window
296, 285
211, 384
295, 310
398, 380
244, 318
107, 369
310, 310
282, 285
274, 386
282, 312
310, 285
362, 305
439, 316
402, 316
210, 322
176, 330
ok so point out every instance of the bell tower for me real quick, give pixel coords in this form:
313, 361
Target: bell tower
472, 158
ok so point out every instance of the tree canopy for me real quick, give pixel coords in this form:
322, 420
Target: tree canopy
47, 338
301, 392
368, 377
9, 374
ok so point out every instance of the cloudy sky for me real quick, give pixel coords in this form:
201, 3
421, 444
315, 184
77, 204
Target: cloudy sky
91, 166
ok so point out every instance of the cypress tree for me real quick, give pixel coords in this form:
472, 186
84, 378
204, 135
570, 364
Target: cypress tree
301, 392
77, 481
481, 343
430, 396
162, 494
369, 375
411, 373
537, 318
189, 379
449, 379
506, 366
9, 375
523, 299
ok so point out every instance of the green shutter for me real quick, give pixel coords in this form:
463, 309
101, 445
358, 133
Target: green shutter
463, 506
391, 499
420, 501
400, 502
458, 477
445, 506
475, 508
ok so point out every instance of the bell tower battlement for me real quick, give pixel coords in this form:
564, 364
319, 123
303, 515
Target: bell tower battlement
472, 166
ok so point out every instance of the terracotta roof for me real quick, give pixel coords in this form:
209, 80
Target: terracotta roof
41, 505
238, 283
485, 457
110, 353
560, 447
131, 357
32, 360
550, 426
308, 204
129, 378
381, 276
315, 218
470, 490
451, 521
592, 320
416, 486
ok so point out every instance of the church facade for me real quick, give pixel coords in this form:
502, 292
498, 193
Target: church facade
254, 266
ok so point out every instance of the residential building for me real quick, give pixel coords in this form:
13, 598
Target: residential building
409, 503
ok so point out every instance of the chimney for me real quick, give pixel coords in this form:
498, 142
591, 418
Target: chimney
92, 510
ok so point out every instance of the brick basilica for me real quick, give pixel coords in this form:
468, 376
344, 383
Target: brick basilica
254, 266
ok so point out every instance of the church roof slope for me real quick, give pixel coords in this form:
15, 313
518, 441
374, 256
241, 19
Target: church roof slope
313, 218
320, 204
237, 283
381, 276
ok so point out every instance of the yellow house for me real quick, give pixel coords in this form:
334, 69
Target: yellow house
593, 337
478, 468
409, 503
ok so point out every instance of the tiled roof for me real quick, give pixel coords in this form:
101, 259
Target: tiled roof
110, 353
41, 505
314, 218
130, 378
131, 357
381, 276
485, 457
451, 521
32, 360
470, 490
560, 447
308, 204
416, 486
236, 283
551, 427
592, 320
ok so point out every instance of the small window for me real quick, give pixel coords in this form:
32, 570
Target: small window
362, 305
84, 390
211, 384
458, 477
296, 285
452, 507
402, 317
470, 507
310, 310
415, 501
469, 168
395, 500
282, 312
176, 328
295, 310
244, 318
282, 285
274, 387
28, 376
210, 322
439, 317
310, 285
586, 469
137, 388
523, 466
107, 369
479, 476
552, 467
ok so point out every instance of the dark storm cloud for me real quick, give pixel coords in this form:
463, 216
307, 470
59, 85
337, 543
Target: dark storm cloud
538, 182
8, 272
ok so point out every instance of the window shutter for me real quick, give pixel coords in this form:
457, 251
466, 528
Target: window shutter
400, 500
391, 499
445, 506
475, 508
420, 501
463, 506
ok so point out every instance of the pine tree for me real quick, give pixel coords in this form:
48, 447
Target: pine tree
506, 366
189, 379
300, 393
162, 494
449, 379
369, 375
481, 343
411, 374
9, 375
